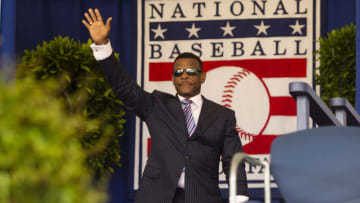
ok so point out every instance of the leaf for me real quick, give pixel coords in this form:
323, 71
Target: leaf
84, 67
122, 121
106, 94
37, 68
44, 76
68, 79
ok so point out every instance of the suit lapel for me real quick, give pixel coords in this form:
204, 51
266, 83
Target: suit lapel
206, 118
176, 112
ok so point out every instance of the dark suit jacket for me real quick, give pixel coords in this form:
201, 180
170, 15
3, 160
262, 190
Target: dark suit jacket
171, 146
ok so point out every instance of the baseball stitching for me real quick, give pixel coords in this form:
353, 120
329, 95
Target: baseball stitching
227, 101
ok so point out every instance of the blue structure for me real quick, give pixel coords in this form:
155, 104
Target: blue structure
357, 96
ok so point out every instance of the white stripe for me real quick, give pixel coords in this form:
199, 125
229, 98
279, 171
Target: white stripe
280, 125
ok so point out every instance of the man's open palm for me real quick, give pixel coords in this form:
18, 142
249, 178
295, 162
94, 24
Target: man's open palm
99, 31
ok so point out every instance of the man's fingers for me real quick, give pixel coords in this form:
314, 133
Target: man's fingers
87, 25
88, 18
91, 11
98, 15
108, 22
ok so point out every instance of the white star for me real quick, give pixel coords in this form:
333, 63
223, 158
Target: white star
228, 29
193, 31
159, 32
297, 28
262, 28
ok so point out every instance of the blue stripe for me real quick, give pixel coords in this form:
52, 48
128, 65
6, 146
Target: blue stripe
210, 29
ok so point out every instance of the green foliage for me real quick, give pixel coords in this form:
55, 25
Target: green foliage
41, 157
337, 64
84, 91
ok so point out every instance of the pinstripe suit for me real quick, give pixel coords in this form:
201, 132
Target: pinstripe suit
172, 148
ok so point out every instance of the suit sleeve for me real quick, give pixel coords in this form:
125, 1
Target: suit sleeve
232, 144
125, 88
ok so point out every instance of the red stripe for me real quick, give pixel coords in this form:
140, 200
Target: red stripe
260, 145
284, 106
148, 146
263, 68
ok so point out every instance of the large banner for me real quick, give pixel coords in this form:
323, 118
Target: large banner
251, 50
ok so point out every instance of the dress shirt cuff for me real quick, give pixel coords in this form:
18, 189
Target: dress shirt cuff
101, 52
241, 198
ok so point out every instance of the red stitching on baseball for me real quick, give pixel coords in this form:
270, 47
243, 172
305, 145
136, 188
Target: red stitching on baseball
226, 100
232, 82
240, 76
227, 93
245, 135
237, 79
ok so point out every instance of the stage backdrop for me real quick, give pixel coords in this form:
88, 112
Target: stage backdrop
251, 50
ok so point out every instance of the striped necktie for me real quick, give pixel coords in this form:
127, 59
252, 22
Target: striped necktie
189, 119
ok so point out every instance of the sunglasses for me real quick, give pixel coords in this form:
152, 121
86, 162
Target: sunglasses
189, 71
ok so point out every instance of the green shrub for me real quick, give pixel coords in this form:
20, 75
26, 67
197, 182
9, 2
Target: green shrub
337, 64
41, 157
84, 91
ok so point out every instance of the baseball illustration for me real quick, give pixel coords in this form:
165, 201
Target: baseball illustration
242, 91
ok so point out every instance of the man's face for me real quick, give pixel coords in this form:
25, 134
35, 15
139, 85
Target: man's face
188, 85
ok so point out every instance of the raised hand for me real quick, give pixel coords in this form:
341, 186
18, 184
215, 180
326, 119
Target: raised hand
99, 31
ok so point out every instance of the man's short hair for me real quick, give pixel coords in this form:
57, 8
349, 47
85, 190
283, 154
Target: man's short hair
189, 55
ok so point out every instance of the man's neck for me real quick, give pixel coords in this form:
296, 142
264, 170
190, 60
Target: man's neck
197, 99
191, 98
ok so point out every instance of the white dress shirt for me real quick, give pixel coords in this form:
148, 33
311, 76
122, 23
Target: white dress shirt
101, 52
196, 105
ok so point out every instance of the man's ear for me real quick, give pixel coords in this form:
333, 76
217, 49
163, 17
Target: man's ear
203, 77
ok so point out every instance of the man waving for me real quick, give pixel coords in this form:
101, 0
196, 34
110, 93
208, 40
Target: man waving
190, 134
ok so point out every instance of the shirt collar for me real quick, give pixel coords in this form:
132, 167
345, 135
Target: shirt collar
197, 99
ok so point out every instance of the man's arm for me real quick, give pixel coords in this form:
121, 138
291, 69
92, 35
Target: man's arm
126, 89
232, 144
